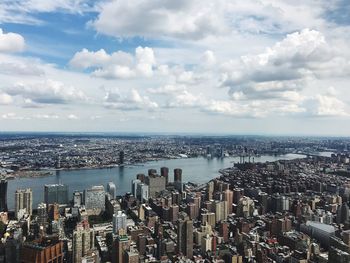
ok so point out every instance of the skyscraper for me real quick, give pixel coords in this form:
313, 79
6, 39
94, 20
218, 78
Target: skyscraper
112, 189
56, 193
185, 235
95, 198
177, 175
119, 222
3, 195
164, 171
23, 202
83, 242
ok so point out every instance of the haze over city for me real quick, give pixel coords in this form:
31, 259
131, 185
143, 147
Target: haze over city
241, 67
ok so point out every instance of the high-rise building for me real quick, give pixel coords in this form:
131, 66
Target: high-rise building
140, 190
164, 171
177, 175
228, 196
185, 235
42, 215
83, 242
119, 222
121, 245
3, 195
112, 189
95, 198
23, 202
156, 184
56, 193
77, 199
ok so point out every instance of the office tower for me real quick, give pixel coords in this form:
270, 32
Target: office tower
164, 171
206, 243
42, 215
174, 213
152, 172
43, 250
134, 184
223, 230
221, 211
156, 184
140, 190
191, 210
228, 196
210, 190
178, 179
23, 202
121, 157
237, 195
112, 189
95, 198
83, 242
56, 193
3, 195
119, 222
343, 214
177, 175
245, 207
77, 199
53, 212
185, 236
121, 245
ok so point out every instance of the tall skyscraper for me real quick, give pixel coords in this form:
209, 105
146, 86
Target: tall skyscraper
56, 193
185, 235
119, 222
112, 189
156, 184
228, 196
164, 171
121, 245
23, 202
83, 242
177, 175
3, 195
42, 215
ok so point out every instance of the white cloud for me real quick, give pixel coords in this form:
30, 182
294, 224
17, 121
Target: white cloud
72, 117
46, 92
116, 65
11, 42
198, 20
5, 99
114, 99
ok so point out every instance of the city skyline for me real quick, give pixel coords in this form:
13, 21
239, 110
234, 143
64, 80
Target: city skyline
269, 67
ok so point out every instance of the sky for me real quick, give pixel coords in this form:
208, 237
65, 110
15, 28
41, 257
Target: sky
176, 66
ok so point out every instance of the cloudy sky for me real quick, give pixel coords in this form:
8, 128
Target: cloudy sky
221, 66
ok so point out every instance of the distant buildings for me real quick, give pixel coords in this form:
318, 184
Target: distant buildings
56, 193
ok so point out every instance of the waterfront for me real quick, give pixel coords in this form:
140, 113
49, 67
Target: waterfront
197, 170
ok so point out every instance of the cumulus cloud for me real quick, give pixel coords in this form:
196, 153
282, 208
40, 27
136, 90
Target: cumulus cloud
114, 99
116, 65
198, 20
11, 42
46, 92
5, 99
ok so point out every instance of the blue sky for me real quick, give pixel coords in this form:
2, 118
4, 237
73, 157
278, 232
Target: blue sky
255, 67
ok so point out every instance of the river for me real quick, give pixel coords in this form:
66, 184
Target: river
197, 170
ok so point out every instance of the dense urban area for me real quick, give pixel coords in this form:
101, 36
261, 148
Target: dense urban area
285, 211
